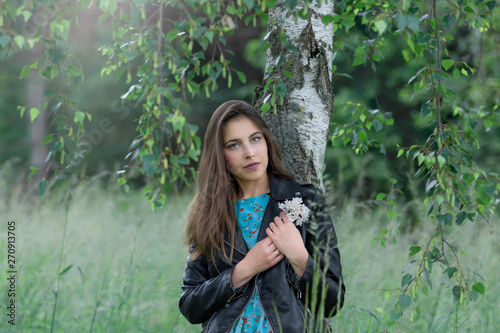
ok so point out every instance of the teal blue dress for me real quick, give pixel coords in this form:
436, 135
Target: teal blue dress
249, 213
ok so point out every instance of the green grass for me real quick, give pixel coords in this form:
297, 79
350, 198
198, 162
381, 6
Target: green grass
126, 264
371, 271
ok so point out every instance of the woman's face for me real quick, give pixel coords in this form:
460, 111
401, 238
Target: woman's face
245, 151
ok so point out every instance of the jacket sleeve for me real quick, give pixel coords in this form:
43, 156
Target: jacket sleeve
323, 261
203, 295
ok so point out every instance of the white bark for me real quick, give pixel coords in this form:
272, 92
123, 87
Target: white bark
301, 125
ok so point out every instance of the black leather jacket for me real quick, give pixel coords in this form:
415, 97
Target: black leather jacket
208, 296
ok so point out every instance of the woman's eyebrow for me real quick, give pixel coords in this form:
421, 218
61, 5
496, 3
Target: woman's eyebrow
232, 140
258, 132
238, 139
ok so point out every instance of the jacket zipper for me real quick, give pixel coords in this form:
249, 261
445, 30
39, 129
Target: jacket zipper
304, 320
236, 248
263, 308
244, 307
233, 298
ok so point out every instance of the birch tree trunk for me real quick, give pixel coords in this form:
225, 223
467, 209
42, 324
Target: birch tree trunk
301, 124
37, 129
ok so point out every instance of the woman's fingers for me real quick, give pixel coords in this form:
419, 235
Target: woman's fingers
284, 218
264, 255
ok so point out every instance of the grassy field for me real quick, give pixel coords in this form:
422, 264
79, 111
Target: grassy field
122, 267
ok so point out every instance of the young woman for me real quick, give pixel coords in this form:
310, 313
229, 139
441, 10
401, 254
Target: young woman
251, 269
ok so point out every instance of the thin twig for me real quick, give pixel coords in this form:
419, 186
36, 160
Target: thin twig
61, 257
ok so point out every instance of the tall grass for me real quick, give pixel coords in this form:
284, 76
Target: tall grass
373, 272
122, 266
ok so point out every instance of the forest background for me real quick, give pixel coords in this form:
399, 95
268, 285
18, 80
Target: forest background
104, 261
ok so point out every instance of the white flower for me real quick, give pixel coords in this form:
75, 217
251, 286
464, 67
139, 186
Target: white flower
295, 210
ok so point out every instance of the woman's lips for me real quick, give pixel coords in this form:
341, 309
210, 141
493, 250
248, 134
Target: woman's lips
252, 166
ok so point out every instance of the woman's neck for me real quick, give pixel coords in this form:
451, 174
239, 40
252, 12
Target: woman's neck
253, 189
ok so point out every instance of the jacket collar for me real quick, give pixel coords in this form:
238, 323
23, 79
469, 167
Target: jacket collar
281, 189
284, 189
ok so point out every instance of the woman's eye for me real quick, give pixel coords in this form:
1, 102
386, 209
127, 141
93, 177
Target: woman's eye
255, 139
232, 146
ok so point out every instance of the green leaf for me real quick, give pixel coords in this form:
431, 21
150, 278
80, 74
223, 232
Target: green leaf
414, 250
172, 34
447, 63
241, 77
178, 122
469, 9
21, 109
362, 136
381, 26
50, 72
395, 315
49, 92
445, 218
230, 9
55, 55
149, 165
55, 107
377, 125
426, 109
47, 139
491, 4
413, 24
79, 117
405, 301
42, 187
456, 291
210, 35
381, 196
406, 280
479, 288
25, 72
20, 41
358, 61
74, 71
4, 41
34, 112
401, 21
441, 160
326, 19
34, 171
266, 107
450, 271
66, 269
460, 218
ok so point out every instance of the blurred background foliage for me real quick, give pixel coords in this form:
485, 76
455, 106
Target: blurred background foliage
382, 85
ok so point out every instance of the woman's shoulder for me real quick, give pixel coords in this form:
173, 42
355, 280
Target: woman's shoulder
282, 188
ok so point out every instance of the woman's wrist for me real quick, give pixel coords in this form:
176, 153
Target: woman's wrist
241, 274
299, 263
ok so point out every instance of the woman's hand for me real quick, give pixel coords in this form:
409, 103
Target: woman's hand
287, 238
261, 256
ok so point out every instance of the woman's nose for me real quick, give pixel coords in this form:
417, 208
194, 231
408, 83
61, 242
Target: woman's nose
249, 151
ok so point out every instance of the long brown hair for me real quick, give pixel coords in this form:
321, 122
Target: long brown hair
211, 216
